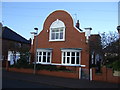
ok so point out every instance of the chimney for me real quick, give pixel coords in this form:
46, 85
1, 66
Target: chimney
87, 33
78, 25
32, 37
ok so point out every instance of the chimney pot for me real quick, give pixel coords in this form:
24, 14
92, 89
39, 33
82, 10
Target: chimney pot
78, 25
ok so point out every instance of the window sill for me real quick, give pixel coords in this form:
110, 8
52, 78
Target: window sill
42, 63
56, 40
71, 64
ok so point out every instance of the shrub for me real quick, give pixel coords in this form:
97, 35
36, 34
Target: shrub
116, 65
46, 67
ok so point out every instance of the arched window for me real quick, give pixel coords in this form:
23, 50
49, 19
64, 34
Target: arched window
57, 31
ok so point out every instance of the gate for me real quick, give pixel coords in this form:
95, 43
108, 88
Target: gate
85, 73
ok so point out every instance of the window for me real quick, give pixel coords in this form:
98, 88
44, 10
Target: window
57, 31
71, 56
44, 55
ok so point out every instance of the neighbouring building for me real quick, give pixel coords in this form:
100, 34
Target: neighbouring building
61, 43
96, 53
12, 44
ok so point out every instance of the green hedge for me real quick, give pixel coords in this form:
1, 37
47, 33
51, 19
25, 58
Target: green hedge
41, 67
115, 65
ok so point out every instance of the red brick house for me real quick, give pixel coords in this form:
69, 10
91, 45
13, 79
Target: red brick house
12, 44
60, 43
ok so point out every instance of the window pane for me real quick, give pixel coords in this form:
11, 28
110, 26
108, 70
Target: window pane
48, 54
64, 54
39, 58
72, 60
68, 59
68, 53
40, 53
61, 29
53, 36
57, 36
73, 53
56, 30
44, 58
61, 35
77, 53
77, 61
53, 30
44, 53
48, 59
63, 59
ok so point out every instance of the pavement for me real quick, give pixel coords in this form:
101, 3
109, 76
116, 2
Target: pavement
58, 81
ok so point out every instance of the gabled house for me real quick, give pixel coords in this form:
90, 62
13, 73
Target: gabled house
60, 43
12, 43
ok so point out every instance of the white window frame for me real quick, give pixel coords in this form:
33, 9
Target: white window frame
70, 50
58, 24
46, 51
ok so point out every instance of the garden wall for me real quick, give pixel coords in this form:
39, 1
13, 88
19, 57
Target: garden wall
46, 72
106, 75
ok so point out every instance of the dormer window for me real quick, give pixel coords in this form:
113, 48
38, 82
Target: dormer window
57, 31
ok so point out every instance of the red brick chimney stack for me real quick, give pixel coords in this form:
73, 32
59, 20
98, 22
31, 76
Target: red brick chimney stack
78, 25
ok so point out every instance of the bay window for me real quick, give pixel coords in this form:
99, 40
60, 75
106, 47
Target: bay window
44, 55
71, 56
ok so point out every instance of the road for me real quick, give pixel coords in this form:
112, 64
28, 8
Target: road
15, 83
23, 80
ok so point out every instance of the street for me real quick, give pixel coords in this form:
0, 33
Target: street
15, 83
24, 80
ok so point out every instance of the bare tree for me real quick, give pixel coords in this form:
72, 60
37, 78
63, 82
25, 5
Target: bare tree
110, 46
108, 38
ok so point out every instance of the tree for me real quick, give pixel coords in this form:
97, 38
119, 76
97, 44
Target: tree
22, 48
110, 46
108, 38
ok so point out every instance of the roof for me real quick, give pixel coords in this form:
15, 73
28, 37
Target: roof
9, 34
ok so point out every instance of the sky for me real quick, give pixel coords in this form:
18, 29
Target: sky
23, 17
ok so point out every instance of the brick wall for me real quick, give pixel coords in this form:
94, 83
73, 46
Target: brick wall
46, 72
106, 75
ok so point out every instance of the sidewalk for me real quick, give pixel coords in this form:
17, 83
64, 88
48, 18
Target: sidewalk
58, 81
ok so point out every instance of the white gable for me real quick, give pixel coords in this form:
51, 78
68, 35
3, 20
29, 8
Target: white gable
56, 24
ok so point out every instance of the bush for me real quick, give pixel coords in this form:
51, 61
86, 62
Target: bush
62, 68
116, 65
23, 61
50, 68
46, 67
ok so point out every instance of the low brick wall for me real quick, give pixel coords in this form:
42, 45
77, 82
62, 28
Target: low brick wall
106, 76
45, 72
22, 70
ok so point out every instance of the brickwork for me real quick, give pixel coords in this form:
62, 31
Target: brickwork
45, 72
106, 76
73, 38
